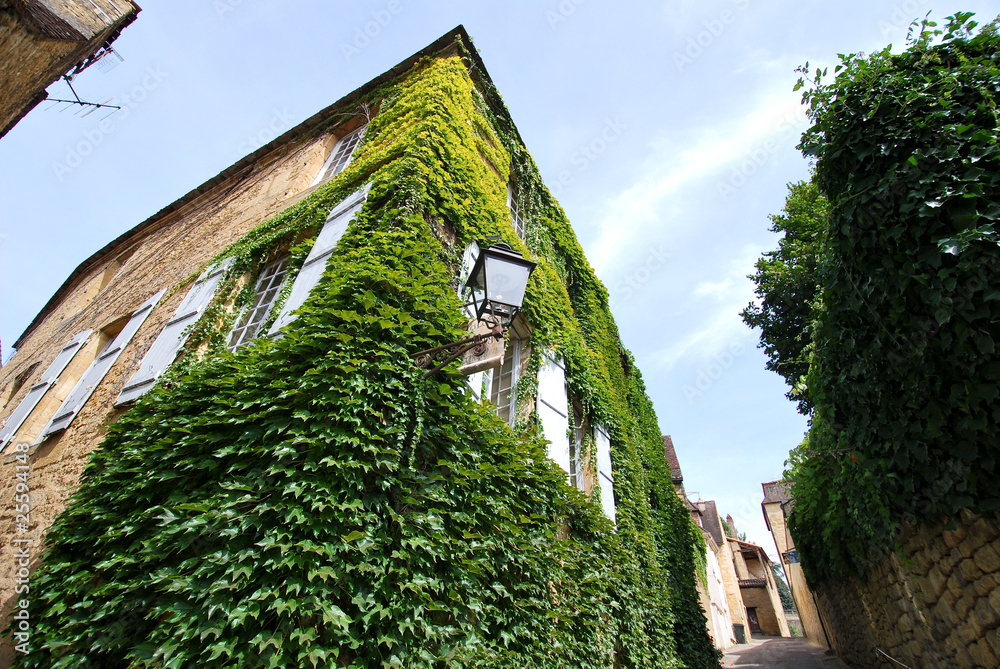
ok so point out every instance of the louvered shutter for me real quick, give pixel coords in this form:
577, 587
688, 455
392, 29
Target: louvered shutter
553, 409
315, 264
164, 350
605, 476
95, 373
38, 390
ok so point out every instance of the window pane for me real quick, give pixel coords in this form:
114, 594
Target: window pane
267, 290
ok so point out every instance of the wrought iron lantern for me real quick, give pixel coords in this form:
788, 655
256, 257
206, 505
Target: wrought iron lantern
498, 281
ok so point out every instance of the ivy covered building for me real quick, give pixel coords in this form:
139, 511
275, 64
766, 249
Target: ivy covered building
219, 451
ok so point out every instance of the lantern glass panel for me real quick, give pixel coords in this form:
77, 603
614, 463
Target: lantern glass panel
506, 281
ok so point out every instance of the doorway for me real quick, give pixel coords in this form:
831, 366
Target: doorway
752, 619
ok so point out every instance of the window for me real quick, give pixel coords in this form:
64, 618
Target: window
576, 476
337, 221
37, 391
266, 292
109, 353
503, 389
341, 155
516, 216
174, 334
605, 475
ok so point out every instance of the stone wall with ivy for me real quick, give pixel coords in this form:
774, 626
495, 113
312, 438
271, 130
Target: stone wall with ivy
935, 603
311, 501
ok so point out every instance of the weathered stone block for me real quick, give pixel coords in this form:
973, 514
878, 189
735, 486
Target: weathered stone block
986, 584
986, 615
993, 638
987, 559
970, 571
968, 630
983, 654
954, 538
956, 584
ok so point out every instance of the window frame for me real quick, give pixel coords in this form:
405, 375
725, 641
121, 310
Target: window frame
330, 168
517, 217
275, 281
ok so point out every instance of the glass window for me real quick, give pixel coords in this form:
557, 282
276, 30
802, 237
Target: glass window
265, 293
516, 217
503, 389
341, 156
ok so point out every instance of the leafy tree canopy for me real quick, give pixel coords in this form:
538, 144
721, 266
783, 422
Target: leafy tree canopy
903, 376
787, 284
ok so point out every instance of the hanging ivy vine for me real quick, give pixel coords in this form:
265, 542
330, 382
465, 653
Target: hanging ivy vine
312, 502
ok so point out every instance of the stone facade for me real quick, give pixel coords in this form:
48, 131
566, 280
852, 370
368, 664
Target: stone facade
936, 604
162, 253
776, 496
40, 40
758, 589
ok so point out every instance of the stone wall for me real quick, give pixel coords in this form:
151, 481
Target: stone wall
106, 288
936, 605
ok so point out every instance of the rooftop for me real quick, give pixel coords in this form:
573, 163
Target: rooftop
671, 455
777, 491
326, 118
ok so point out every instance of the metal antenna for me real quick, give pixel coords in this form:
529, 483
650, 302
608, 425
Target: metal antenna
96, 105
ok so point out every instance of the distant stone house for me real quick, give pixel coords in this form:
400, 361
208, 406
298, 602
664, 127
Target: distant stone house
714, 598
41, 40
777, 499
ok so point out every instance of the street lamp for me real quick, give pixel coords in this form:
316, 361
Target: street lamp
498, 281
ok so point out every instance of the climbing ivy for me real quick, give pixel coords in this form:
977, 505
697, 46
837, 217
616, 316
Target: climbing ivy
311, 501
903, 374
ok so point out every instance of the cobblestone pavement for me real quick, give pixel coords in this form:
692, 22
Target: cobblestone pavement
770, 652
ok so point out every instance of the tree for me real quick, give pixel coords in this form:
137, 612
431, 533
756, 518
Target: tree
787, 284
899, 342
784, 592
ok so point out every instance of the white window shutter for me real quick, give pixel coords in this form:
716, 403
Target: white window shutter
164, 350
95, 373
38, 390
468, 262
314, 266
475, 382
605, 476
553, 409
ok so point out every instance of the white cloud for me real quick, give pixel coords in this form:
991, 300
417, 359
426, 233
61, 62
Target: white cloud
720, 326
638, 211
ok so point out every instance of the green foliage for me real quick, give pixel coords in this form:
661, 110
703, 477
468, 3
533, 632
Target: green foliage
784, 592
787, 283
312, 502
904, 374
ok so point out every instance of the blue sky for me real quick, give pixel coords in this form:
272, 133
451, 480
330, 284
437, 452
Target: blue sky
667, 130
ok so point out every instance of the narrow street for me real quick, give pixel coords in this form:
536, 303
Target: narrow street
771, 652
